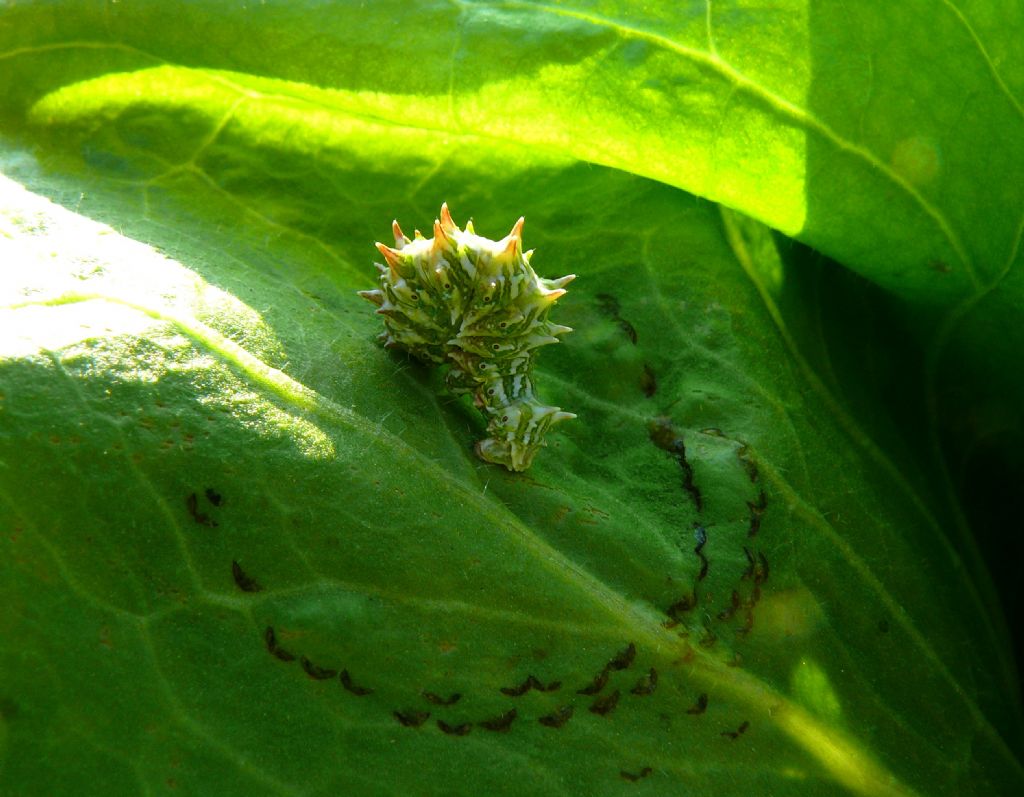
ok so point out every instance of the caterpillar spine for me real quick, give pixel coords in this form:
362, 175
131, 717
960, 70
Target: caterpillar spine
476, 305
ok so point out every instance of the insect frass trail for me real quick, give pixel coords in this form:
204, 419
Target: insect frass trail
476, 305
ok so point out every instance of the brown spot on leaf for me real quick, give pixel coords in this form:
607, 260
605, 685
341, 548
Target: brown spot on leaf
648, 381
736, 734
596, 685
756, 511
734, 605
315, 672
605, 705
192, 504
359, 691
500, 724
412, 718
624, 658
700, 706
557, 718
647, 684
270, 638
633, 777
437, 700
664, 436
681, 606
454, 730
242, 580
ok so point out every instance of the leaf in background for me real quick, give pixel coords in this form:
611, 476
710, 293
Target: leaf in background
205, 445
831, 123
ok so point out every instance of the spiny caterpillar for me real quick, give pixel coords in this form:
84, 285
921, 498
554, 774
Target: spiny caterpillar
478, 306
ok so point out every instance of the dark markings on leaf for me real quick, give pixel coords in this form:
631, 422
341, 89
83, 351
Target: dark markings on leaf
454, 730
756, 510
500, 724
700, 706
437, 700
664, 437
748, 463
521, 689
271, 639
315, 672
760, 576
359, 691
605, 705
596, 685
734, 605
633, 777
550, 686
648, 381
531, 682
647, 684
748, 624
709, 638
214, 497
681, 606
700, 534
411, 718
749, 572
192, 503
736, 734
243, 580
609, 306
623, 659
557, 718
757, 567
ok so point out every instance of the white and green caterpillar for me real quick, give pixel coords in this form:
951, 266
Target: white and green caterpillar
478, 306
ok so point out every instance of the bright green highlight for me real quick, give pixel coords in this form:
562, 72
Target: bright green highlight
812, 688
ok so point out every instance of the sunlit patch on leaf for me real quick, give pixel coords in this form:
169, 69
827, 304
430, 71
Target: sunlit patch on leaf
813, 687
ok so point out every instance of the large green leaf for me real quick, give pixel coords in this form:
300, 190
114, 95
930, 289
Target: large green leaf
888, 135
830, 122
219, 399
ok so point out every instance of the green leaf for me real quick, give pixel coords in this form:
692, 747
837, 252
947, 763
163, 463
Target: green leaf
887, 135
803, 115
201, 440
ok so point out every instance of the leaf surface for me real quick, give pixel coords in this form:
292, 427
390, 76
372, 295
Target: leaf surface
202, 441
